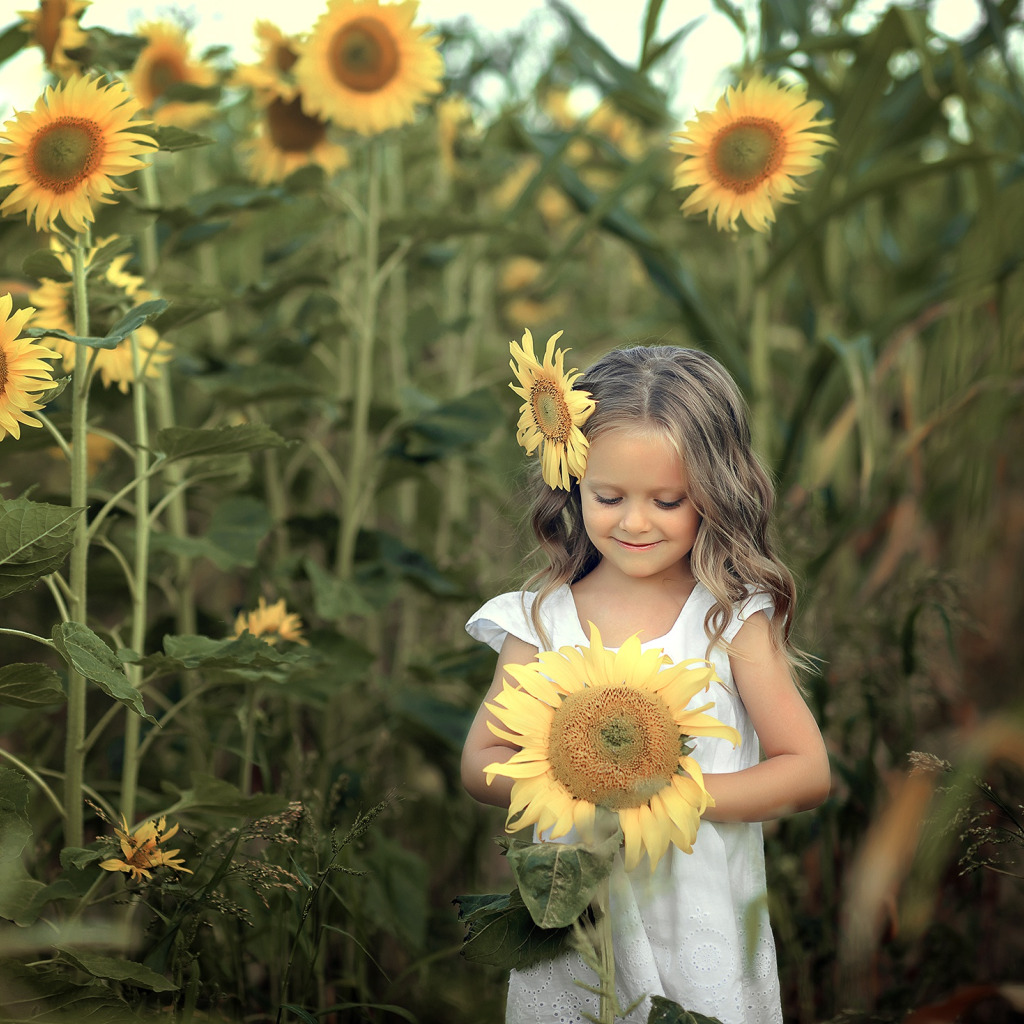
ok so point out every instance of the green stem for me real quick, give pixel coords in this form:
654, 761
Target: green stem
74, 752
140, 579
248, 740
760, 350
353, 500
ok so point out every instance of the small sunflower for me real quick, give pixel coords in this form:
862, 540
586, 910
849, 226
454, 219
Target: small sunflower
272, 74
272, 622
115, 365
60, 156
366, 68
288, 139
552, 412
601, 728
141, 850
22, 371
165, 61
744, 155
54, 27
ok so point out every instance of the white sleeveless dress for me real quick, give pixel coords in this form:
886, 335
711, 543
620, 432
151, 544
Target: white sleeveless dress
696, 930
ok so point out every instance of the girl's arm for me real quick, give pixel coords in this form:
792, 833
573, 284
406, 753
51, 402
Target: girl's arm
794, 775
482, 747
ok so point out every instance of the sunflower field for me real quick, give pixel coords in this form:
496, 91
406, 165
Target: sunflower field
259, 465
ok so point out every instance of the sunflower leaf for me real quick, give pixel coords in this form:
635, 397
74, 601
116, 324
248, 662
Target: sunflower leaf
131, 321
43, 263
35, 539
30, 686
665, 1011
118, 968
558, 881
170, 139
193, 442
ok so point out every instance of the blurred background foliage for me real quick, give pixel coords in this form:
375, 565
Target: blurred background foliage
317, 786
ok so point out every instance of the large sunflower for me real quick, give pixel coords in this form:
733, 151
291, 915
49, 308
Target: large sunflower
60, 156
607, 728
165, 61
288, 139
22, 371
53, 26
744, 155
552, 412
272, 74
115, 365
365, 67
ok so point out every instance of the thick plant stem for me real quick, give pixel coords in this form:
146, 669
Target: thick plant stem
74, 746
130, 769
354, 500
760, 350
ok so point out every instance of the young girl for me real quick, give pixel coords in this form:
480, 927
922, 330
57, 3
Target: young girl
665, 534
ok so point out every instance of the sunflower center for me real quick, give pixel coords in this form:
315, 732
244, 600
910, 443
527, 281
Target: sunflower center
291, 130
614, 746
51, 14
163, 73
550, 411
746, 153
65, 153
364, 56
3, 373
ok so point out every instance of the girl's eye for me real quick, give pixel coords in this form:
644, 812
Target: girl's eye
606, 501
669, 504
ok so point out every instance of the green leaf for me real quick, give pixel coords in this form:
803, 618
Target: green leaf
503, 934
171, 139
78, 857
131, 321
35, 539
43, 263
245, 651
195, 442
13, 40
334, 598
236, 529
217, 797
30, 685
304, 1015
665, 1011
17, 888
112, 968
558, 880
449, 428
88, 655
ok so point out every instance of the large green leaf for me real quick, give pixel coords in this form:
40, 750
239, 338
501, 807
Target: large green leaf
196, 442
17, 887
43, 263
218, 798
35, 539
449, 428
503, 934
558, 881
30, 685
88, 655
119, 969
13, 39
131, 321
245, 651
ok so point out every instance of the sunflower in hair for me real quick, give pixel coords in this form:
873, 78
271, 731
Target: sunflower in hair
745, 155
552, 412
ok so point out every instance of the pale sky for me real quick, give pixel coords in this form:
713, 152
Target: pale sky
699, 77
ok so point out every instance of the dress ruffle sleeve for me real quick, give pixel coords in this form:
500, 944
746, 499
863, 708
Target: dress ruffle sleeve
504, 614
754, 603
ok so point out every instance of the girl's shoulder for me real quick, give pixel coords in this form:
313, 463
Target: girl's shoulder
702, 601
510, 613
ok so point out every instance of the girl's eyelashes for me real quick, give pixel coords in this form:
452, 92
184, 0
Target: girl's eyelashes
660, 504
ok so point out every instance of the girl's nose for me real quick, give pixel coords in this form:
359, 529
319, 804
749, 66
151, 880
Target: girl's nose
634, 520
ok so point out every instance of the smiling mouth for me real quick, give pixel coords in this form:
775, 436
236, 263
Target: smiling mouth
636, 547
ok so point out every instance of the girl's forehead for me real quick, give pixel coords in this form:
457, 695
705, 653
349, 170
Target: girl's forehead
634, 452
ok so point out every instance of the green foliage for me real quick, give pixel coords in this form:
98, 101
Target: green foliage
35, 539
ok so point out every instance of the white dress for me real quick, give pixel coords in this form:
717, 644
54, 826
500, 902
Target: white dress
696, 930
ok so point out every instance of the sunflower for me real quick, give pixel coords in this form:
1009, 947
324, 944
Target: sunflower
288, 139
115, 365
141, 850
552, 412
601, 728
54, 27
165, 61
22, 371
743, 156
272, 74
61, 155
272, 622
365, 67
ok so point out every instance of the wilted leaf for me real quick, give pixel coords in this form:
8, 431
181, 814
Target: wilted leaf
35, 539
30, 685
88, 655
558, 881
195, 442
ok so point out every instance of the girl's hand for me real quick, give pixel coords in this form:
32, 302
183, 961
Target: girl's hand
795, 775
482, 747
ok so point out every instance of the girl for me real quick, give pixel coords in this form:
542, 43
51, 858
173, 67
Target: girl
665, 533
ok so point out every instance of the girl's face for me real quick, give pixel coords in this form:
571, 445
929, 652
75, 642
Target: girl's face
636, 508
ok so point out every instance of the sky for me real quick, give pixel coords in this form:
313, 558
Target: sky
704, 58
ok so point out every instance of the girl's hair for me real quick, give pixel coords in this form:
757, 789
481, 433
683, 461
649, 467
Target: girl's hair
687, 396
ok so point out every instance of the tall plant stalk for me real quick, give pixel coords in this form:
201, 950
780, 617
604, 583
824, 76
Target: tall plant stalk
74, 745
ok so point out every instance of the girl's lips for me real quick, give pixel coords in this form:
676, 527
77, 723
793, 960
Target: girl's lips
636, 547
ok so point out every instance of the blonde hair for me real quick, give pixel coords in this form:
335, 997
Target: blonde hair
687, 396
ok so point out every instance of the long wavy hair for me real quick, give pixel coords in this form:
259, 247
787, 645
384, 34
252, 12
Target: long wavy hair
686, 396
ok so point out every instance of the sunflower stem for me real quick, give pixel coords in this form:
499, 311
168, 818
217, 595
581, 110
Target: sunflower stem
760, 348
353, 499
248, 740
74, 746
